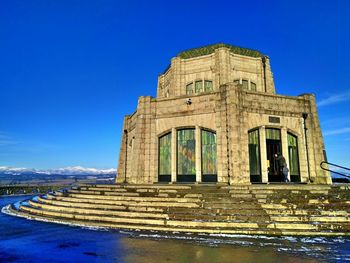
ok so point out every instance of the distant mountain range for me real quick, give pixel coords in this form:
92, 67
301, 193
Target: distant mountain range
74, 170
15, 176
77, 172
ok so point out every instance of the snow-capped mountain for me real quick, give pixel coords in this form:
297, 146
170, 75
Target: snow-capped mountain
74, 170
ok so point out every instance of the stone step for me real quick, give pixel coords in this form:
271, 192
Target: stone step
242, 196
256, 211
223, 201
104, 206
128, 202
135, 198
177, 223
159, 186
300, 197
102, 185
227, 203
273, 209
68, 203
241, 191
139, 186
138, 192
247, 209
104, 193
94, 211
260, 231
228, 218
313, 219
87, 203
101, 189
290, 192
282, 186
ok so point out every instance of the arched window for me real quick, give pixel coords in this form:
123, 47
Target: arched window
165, 158
293, 158
209, 156
186, 155
254, 156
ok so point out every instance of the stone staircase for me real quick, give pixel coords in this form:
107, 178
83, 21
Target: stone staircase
248, 209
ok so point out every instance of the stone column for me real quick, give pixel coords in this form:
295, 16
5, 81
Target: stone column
198, 155
284, 142
173, 155
263, 156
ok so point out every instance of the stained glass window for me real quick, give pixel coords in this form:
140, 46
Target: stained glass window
165, 155
208, 152
254, 152
199, 86
186, 152
208, 85
189, 89
273, 134
293, 154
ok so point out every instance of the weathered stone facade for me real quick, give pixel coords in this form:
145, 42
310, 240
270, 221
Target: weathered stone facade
229, 93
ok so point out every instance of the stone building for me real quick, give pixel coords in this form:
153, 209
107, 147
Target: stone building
217, 118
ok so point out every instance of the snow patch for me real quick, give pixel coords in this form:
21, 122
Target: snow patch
71, 170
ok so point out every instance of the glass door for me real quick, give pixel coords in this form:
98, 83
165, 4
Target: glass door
273, 146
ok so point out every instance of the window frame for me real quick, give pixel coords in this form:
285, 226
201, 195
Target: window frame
185, 177
294, 177
204, 85
201, 86
209, 177
164, 177
255, 178
192, 91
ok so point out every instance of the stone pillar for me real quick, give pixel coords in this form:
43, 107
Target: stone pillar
263, 156
173, 155
284, 141
198, 155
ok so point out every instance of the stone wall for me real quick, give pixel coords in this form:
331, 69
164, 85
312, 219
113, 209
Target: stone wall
221, 67
231, 112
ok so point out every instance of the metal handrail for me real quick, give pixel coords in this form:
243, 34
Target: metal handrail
336, 165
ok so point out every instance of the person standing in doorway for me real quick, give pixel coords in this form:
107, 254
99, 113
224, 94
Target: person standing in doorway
282, 165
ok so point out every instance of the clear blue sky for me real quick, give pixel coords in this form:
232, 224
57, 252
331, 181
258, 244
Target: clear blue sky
70, 70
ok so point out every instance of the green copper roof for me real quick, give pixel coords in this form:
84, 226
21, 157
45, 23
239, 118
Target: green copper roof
202, 51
